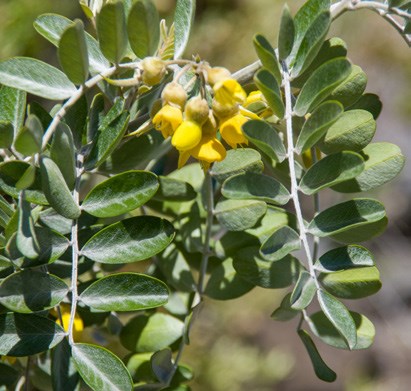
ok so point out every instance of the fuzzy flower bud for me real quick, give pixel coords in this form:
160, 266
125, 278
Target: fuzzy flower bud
197, 110
222, 111
154, 70
174, 94
216, 74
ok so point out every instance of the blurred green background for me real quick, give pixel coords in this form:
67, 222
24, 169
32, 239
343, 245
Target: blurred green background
235, 345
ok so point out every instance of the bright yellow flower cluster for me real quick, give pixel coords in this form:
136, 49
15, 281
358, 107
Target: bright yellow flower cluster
193, 126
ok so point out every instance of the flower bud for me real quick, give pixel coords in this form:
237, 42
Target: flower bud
174, 94
197, 110
223, 111
154, 70
216, 74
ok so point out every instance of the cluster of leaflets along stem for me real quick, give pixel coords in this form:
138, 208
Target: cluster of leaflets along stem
82, 193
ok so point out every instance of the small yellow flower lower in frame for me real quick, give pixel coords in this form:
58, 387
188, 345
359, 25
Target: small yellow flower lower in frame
208, 151
65, 317
229, 92
10, 360
167, 120
186, 136
231, 130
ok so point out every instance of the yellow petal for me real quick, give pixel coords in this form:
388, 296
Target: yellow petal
167, 120
182, 159
186, 136
78, 325
231, 131
209, 150
229, 92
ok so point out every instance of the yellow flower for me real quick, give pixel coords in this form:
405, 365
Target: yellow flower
229, 92
186, 136
167, 120
231, 131
10, 360
65, 317
209, 150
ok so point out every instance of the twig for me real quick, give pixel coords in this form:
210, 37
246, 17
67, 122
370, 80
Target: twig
293, 177
75, 253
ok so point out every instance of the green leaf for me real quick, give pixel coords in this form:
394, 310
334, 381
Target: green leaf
172, 189
286, 33
36, 77
162, 365
27, 179
110, 133
321, 369
331, 170
56, 191
10, 174
368, 102
8, 376
64, 375
250, 185
267, 56
397, 3
6, 134
25, 335
112, 31
271, 275
51, 246
237, 161
143, 28
26, 239
317, 124
280, 243
358, 212
265, 138
304, 291
151, 333
183, 21
352, 131
304, 19
72, 51
12, 110
352, 88
120, 194
101, 369
324, 329
52, 26
63, 154
339, 316
352, 283
28, 139
130, 240
383, 162
322, 81
176, 270
238, 215
330, 49
225, 283
343, 258
32, 291
268, 85
51, 219
284, 312
125, 292
311, 43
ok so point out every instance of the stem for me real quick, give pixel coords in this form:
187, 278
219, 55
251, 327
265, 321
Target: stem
75, 252
27, 374
381, 9
246, 74
293, 178
316, 242
209, 224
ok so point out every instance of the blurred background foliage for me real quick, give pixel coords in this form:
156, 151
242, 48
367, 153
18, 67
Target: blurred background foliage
235, 345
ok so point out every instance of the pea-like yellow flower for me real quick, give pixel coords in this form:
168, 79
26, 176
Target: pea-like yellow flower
229, 92
78, 326
231, 130
167, 120
186, 136
209, 150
